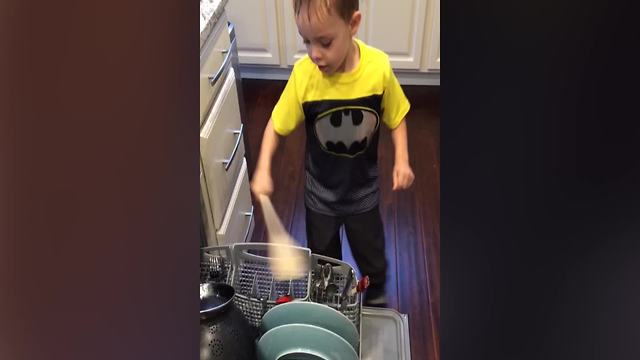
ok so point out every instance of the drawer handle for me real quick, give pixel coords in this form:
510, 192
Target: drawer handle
227, 162
231, 28
213, 79
250, 215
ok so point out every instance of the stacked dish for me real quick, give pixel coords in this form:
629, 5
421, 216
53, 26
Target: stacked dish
307, 330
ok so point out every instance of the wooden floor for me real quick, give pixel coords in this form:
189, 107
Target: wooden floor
411, 217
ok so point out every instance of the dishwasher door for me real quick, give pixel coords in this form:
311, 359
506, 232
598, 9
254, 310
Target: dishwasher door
385, 335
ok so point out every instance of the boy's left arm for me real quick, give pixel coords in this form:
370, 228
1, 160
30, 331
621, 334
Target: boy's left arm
402, 173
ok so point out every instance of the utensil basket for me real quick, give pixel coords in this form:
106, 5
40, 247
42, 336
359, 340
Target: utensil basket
245, 266
353, 308
215, 264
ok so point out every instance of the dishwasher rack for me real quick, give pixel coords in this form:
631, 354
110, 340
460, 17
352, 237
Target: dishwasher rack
245, 266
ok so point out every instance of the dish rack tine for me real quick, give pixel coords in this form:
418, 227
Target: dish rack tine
290, 286
271, 289
250, 262
254, 287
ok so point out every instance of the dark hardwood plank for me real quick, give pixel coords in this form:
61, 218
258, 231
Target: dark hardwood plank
259, 101
426, 141
387, 212
411, 218
297, 228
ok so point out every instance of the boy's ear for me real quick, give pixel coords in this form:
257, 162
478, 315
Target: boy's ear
354, 24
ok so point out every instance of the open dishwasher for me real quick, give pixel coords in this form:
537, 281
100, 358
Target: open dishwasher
383, 333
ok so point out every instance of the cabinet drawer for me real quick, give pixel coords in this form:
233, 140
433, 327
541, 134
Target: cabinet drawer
222, 147
214, 60
207, 216
238, 221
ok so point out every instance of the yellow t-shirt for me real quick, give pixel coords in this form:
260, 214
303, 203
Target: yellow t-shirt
342, 114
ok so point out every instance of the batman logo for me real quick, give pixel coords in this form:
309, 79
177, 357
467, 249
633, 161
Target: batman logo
346, 131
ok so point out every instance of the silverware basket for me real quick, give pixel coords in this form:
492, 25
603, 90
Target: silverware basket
215, 264
352, 308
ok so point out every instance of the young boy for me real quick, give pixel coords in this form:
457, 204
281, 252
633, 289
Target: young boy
343, 90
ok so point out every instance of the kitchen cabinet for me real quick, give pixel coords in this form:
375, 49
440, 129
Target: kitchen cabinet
238, 220
397, 28
213, 61
408, 31
222, 147
431, 48
226, 208
257, 26
208, 228
292, 41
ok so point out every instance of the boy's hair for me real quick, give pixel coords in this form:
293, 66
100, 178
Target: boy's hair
343, 8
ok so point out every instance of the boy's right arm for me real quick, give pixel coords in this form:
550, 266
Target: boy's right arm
262, 183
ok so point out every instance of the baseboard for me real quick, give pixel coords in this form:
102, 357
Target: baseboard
264, 72
418, 78
280, 73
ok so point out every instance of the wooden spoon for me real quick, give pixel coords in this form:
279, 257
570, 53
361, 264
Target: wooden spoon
286, 263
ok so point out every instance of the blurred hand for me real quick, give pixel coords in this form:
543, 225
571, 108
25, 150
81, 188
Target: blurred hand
262, 183
402, 176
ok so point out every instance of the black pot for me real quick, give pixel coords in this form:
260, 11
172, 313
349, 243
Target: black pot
224, 331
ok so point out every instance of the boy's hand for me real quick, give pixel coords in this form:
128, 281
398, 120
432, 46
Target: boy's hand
262, 183
402, 176
402, 173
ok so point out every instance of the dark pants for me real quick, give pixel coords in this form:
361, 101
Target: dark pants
366, 239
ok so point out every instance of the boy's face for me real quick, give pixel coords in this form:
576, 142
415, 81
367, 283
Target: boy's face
328, 38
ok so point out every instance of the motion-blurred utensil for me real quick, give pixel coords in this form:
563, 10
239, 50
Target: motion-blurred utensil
285, 263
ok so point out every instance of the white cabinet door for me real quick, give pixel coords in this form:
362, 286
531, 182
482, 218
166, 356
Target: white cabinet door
222, 147
256, 30
397, 28
294, 48
431, 47
205, 208
238, 220
212, 64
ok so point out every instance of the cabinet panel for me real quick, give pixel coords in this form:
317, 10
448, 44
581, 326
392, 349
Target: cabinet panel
207, 216
432, 32
256, 31
294, 47
212, 63
397, 28
222, 147
408, 31
238, 220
